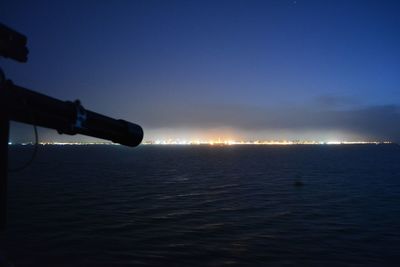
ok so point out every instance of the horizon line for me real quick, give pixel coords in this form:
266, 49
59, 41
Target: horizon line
215, 143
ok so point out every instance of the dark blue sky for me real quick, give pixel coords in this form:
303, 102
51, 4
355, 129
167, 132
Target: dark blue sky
318, 70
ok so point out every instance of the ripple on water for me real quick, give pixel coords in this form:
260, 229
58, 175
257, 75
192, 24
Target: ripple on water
80, 206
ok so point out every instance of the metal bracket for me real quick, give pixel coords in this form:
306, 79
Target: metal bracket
81, 115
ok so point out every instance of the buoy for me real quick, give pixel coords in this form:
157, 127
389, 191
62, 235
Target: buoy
298, 183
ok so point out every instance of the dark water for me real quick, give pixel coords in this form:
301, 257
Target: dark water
206, 206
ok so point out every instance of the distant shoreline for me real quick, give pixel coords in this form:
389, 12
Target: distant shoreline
215, 144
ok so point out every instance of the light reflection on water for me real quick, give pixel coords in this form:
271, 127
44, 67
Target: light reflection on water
202, 206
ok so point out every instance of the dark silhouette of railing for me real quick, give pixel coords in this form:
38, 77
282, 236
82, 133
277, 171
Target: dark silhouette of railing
23, 105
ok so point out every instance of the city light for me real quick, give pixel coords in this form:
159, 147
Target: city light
220, 142
217, 143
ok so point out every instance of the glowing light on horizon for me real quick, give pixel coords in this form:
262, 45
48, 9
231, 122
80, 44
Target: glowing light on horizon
220, 142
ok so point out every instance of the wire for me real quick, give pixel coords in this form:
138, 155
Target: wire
35, 149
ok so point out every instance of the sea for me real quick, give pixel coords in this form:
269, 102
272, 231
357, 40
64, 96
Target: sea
298, 205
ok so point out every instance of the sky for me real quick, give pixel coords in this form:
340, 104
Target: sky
188, 70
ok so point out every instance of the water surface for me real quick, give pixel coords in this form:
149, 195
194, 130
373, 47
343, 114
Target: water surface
205, 206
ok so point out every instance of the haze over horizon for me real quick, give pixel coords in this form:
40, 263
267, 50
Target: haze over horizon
310, 70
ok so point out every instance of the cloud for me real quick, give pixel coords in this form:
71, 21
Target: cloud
334, 101
312, 121
371, 122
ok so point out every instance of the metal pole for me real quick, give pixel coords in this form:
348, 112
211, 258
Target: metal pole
4, 132
4, 135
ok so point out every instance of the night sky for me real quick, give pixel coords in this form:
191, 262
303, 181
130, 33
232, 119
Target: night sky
321, 70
